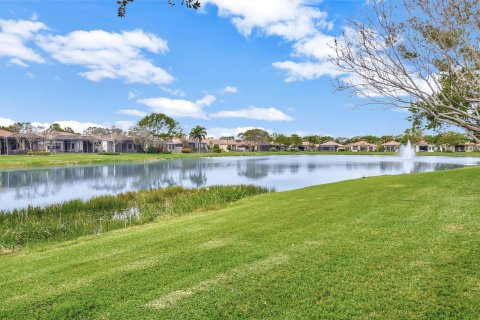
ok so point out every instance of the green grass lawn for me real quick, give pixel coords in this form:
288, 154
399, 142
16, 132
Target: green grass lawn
23, 161
392, 247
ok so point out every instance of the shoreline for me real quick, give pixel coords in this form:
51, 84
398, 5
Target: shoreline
63, 160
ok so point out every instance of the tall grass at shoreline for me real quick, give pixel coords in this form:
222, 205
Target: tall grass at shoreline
77, 218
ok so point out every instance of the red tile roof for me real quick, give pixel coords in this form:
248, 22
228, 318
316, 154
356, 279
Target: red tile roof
362, 144
5, 134
331, 143
391, 143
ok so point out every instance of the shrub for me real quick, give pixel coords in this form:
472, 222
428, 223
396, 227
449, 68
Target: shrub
167, 152
186, 150
39, 153
273, 149
152, 150
110, 153
216, 148
293, 149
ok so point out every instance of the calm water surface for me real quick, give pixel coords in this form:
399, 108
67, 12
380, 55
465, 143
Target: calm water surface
40, 187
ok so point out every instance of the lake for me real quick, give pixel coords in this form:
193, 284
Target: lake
40, 187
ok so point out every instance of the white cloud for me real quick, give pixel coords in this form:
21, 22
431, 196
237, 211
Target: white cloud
173, 92
76, 125
269, 114
179, 107
18, 62
318, 47
229, 89
132, 95
133, 112
14, 38
5, 122
227, 132
206, 101
110, 55
297, 21
296, 71
124, 125
290, 19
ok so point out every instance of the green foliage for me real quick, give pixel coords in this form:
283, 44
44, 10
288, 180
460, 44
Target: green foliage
451, 138
57, 128
390, 247
255, 136
160, 125
296, 140
198, 133
152, 150
39, 153
106, 153
78, 218
216, 148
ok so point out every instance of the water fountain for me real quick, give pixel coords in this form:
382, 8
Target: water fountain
406, 151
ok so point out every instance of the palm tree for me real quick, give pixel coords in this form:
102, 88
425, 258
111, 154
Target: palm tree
198, 133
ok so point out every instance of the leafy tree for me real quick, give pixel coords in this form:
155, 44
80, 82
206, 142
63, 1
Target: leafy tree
451, 139
282, 139
228, 138
116, 134
412, 135
55, 127
198, 133
142, 137
312, 140
161, 126
255, 137
122, 5
418, 55
296, 140
97, 135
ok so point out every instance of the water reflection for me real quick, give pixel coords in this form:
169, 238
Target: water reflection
44, 186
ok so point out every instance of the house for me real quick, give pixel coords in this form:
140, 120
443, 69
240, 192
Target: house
362, 146
391, 146
66, 142
467, 147
424, 146
307, 146
177, 145
18, 144
224, 145
8, 143
331, 146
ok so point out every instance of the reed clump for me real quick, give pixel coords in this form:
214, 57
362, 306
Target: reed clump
76, 218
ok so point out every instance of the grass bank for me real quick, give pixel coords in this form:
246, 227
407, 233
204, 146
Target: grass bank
77, 218
391, 247
24, 161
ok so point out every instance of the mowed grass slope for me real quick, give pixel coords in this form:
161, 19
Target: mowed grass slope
393, 247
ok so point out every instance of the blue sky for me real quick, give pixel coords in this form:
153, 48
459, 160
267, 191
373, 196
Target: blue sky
232, 65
